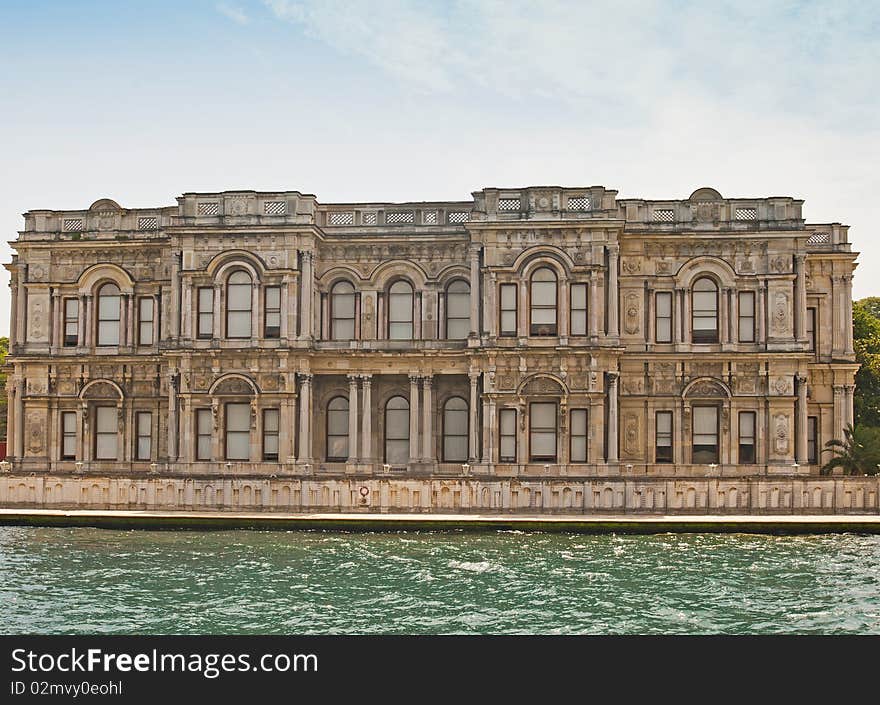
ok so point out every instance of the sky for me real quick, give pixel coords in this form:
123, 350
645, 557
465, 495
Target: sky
395, 100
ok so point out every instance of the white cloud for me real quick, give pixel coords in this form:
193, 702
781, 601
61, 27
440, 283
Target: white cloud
236, 14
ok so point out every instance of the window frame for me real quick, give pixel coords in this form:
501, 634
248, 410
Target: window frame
207, 413
138, 435
813, 440
99, 319
98, 433
70, 341
151, 321
754, 437
268, 434
271, 332
717, 434
328, 435
402, 439
657, 317
746, 295
412, 310
227, 431
249, 310
534, 329
707, 336
334, 294
810, 327
201, 331
532, 431
68, 435
584, 311
466, 318
505, 411
444, 435
502, 331
658, 434
585, 435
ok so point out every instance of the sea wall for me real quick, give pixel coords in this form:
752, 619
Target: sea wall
755, 495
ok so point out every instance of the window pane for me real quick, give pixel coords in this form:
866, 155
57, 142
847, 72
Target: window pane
273, 297
337, 447
397, 452
108, 333
578, 449
206, 323
343, 305
508, 321
69, 422
508, 421
239, 297
544, 316
664, 423
237, 445
400, 307
578, 295
508, 296
664, 304
106, 447
400, 331
543, 293
456, 422
106, 419
543, 443
270, 420
143, 448
508, 448
144, 423
342, 329
206, 299
239, 324
458, 329
455, 448
543, 415
108, 307
204, 449
238, 417
205, 421
746, 303
747, 424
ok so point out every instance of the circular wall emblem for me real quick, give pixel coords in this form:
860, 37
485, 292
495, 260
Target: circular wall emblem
364, 491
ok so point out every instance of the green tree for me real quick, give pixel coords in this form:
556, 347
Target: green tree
857, 454
866, 341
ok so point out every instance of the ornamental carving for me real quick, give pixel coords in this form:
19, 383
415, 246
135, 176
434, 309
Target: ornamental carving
506, 381
271, 382
631, 434
780, 321
632, 265
779, 265
101, 390
632, 308
663, 266
36, 386
781, 386
36, 433
706, 388
233, 386
780, 434
37, 319
542, 385
632, 385
705, 212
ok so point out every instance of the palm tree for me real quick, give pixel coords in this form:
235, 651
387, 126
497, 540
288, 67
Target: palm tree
856, 454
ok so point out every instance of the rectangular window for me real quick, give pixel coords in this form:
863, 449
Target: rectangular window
542, 431
578, 309
204, 433
811, 328
144, 450
663, 317
71, 322
238, 431
705, 440
746, 437
273, 312
747, 316
68, 435
508, 309
206, 312
578, 424
145, 320
813, 440
106, 432
271, 424
507, 423
663, 437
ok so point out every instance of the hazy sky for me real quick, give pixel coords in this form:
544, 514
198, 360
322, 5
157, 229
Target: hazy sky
397, 100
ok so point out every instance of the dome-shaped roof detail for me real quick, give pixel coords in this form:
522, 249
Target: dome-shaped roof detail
706, 194
105, 204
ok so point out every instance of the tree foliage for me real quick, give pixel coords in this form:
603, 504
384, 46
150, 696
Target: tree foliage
857, 454
866, 341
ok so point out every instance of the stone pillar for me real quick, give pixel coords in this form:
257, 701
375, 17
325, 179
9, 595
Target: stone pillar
838, 412
13, 313
491, 306
593, 304
564, 308
487, 432
87, 334
173, 429
523, 310
686, 320
427, 421
800, 298
174, 311
613, 293
367, 422
216, 318
677, 316
724, 316
847, 315
801, 415
306, 295
733, 328
848, 414
413, 419
474, 252
352, 418
285, 308
21, 306
11, 415
55, 340
612, 417
762, 335
305, 418
649, 315
256, 318
473, 450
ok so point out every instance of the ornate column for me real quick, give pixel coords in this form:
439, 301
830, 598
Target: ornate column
413, 419
800, 297
13, 312
285, 307
724, 318
124, 340
490, 305
847, 315
677, 316
564, 310
523, 311
848, 414
686, 316
427, 420
175, 294
473, 450
216, 318
367, 421
173, 429
649, 315
801, 444
87, 330
612, 417
11, 414
21, 306
352, 418
762, 335
593, 304
305, 418
838, 411
57, 313
307, 294
256, 318
474, 252
613, 294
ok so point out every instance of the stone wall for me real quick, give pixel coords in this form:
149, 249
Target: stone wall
755, 495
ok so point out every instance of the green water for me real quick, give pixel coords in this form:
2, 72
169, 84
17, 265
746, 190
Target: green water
99, 581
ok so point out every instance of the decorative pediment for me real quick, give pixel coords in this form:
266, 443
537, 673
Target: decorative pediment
101, 389
706, 388
233, 386
542, 385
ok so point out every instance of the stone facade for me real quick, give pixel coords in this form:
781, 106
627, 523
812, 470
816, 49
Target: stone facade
539, 332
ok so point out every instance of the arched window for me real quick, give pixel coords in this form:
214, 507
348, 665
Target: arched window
337, 429
455, 430
543, 302
397, 431
705, 311
458, 310
342, 311
238, 305
108, 314
400, 311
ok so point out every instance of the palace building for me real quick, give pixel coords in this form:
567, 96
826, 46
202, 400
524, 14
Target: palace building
526, 331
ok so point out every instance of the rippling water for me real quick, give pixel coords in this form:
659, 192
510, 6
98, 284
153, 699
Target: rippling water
238, 582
